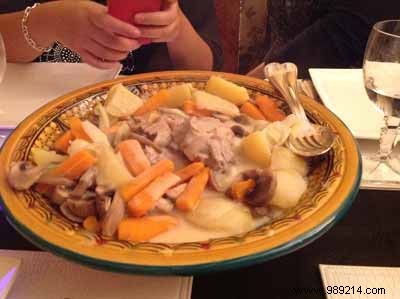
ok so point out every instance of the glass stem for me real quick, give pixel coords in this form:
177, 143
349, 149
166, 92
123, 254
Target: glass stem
388, 139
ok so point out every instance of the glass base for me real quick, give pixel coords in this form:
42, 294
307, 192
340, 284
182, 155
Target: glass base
376, 169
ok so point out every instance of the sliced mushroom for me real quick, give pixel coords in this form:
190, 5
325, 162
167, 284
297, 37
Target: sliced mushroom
82, 208
65, 210
23, 175
264, 191
87, 180
60, 194
114, 216
105, 190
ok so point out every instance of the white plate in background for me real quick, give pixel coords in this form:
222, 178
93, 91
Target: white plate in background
342, 91
26, 87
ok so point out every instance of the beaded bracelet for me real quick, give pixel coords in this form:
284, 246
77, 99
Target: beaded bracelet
26, 33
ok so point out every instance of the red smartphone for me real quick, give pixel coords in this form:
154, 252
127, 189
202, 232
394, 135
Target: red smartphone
125, 10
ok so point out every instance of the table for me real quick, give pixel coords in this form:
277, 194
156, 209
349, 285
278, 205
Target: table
369, 235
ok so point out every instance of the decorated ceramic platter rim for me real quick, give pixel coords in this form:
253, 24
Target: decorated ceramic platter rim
263, 244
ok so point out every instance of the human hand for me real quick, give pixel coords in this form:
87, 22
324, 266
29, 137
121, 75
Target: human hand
100, 39
161, 26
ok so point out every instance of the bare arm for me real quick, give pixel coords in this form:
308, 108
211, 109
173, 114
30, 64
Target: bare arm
189, 50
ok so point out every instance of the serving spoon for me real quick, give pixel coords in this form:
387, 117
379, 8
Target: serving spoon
312, 140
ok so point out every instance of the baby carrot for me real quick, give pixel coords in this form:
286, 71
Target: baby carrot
134, 156
76, 165
142, 180
252, 111
62, 143
189, 171
190, 198
153, 103
145, 228
77, 130
270, 108
147, 199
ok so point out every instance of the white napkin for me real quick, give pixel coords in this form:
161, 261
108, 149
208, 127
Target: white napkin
45, 276
26, 87
384, 282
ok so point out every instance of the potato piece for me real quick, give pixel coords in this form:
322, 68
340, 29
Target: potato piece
213, 103
79, 144
112, 170
179, 94
227, 90
283, 158
221, 214
121, 102
45, 158
257, 148
289, 190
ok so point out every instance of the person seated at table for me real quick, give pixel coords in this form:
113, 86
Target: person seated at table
322, 33
182, 36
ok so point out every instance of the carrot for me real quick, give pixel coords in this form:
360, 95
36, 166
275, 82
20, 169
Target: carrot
62, 143
77, 130
189, 171
146, 199
76, 165
153, 103
189, 107
241, 189
91, 224
134, 156
142, 180
145, 228
190, 198
270, 108
251, 110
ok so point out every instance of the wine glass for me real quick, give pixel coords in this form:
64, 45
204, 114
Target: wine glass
382, 82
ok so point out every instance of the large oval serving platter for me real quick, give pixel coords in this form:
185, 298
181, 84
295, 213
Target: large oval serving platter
334, 183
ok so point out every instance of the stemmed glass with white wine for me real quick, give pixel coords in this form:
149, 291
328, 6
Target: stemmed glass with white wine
382, 82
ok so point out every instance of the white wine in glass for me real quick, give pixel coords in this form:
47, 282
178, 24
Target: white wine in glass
382, 83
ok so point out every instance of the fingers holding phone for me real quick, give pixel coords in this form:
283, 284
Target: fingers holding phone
160, 26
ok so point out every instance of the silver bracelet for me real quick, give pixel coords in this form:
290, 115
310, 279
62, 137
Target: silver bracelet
25, 31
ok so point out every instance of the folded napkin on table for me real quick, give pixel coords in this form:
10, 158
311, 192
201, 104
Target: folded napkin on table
45, 276
26, 87
353, 282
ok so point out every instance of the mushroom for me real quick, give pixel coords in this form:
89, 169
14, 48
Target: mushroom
103, 199
60, 194
81, 208
264, 191
55, 180
86, 181
65, 210
23, 175
145, 141
114, 216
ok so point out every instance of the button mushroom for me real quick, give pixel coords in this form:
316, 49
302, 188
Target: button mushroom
65, 210
103, 199
264, 190
23, 175
82, 208
60, 194
114, 216
87, 180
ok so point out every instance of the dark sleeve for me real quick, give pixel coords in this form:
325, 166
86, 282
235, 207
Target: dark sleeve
336, 40
201, 15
